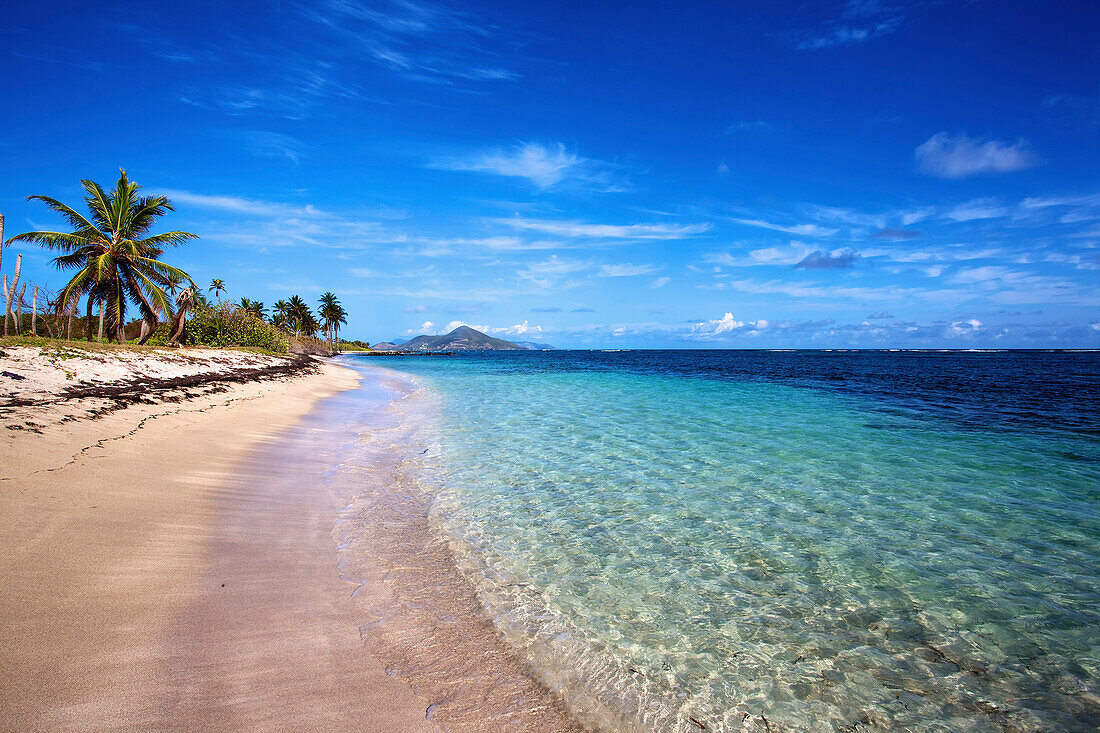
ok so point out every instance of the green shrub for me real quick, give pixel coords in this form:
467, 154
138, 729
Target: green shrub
225, 325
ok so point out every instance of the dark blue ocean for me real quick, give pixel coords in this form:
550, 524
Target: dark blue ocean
890, 540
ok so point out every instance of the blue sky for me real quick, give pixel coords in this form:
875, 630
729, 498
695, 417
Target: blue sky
753, 174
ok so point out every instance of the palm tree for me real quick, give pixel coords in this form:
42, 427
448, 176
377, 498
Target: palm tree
339, 318
217, 286
309, 324
280, 314
330, 312
115, 262
299, 315
255, 307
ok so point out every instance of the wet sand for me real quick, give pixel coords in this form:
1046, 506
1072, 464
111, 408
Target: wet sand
150, 578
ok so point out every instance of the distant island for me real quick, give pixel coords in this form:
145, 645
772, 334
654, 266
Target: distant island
462, 338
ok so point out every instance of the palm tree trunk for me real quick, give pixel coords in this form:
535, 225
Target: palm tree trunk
102, 308
69, 328
34, 312
88, 320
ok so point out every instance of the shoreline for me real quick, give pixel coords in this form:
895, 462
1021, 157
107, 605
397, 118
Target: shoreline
150, 578
427, 620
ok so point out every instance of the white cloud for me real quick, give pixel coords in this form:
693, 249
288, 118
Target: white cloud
543, 165
789, 255
914, 215
987, 208
273, 145
546, 272
520, 329
660, 282
967, 327
626, 269
717, 326
859, 21
425, 327
806, 230
237, 204
947, 156
605, 231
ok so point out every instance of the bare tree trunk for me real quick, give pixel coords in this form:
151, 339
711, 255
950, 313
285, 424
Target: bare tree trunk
184, 301
19, 310
34, 312
102, 308
69, 327
9, 293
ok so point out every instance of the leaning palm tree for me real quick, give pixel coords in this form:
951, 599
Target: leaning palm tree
217, 287
115, 261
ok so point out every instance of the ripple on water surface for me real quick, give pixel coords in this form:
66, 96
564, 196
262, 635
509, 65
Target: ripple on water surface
670, 552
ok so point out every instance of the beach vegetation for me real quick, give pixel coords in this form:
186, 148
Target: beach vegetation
226, 324
217, 287
114, 257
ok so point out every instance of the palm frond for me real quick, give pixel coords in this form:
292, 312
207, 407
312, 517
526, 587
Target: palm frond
75, 218
53, 240
171, 238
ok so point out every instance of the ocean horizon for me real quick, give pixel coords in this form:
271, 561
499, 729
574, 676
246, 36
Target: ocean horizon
810, 540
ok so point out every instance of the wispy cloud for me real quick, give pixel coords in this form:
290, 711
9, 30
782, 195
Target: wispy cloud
959, 156
266, 144
748, 126
896, 234
545, 166
258, 224
660, 283
788, 255
546, 273
420, 40
859, 21
237, 204
836, 260
805, 230
627, 269
59, 57
985, 208
578, 229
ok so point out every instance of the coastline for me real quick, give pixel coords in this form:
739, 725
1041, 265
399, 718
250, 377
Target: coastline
150, 580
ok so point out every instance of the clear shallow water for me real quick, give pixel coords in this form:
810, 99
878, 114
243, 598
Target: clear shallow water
816, 540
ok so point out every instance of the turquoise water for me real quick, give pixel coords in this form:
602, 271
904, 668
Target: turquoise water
686, 547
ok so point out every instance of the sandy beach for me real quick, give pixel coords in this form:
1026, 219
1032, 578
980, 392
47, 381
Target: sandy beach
148, 581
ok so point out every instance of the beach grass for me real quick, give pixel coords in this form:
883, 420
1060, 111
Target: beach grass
108, 346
